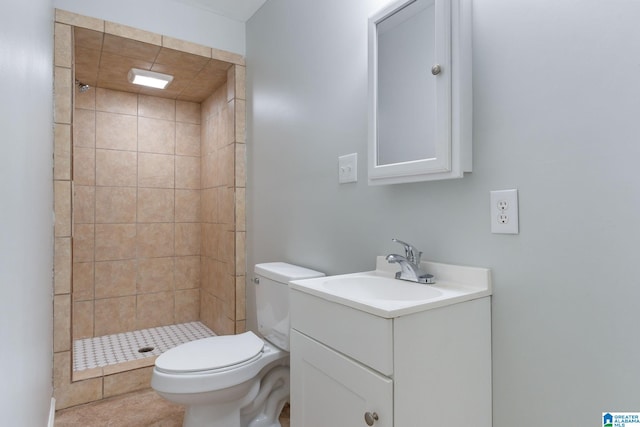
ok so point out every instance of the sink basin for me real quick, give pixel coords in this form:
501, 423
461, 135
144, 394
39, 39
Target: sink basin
371, 287
379, 293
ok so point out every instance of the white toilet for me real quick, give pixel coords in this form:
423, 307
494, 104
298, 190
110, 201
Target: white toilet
236, 380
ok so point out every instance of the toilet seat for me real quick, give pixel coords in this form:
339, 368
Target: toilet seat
187, 380
212, 354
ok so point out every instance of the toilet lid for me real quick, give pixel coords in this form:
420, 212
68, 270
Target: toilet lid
210, 353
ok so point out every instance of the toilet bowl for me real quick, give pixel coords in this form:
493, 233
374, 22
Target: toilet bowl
236, 380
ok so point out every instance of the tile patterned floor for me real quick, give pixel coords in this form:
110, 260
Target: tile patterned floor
140, 409
118, 348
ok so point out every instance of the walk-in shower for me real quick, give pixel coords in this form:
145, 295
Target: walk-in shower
149, 205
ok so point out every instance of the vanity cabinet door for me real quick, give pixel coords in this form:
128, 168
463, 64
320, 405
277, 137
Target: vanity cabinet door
329, 389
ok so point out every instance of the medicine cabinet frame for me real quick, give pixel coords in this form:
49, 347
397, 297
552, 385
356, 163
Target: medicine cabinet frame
451, 153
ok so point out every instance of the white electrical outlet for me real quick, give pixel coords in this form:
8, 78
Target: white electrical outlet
348, 168
504, 212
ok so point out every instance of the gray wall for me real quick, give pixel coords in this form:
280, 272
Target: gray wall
26, 201
556, 106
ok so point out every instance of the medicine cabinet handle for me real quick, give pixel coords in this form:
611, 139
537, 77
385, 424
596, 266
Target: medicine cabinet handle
370, 418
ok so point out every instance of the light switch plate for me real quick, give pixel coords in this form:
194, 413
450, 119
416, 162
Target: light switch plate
348, 168
504, 212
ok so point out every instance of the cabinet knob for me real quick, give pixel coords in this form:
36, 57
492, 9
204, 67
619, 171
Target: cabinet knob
370, 418
435, 70
256, 280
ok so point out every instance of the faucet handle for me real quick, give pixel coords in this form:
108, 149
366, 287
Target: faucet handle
416, 257
412, 253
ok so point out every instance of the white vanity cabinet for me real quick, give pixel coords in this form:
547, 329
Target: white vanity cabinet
353, 368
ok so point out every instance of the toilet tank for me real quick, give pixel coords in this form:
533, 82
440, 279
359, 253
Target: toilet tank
272, 299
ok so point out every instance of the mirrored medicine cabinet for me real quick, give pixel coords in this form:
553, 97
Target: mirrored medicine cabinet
420, 91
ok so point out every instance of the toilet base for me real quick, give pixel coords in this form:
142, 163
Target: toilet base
215, 409
265, 409
223, 415
255, 403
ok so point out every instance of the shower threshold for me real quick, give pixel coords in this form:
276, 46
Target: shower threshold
110, 354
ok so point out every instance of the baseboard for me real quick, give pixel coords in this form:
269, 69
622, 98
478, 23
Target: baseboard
52, 412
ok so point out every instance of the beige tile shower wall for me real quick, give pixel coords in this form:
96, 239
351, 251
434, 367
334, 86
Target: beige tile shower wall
62, 201
236, 93
136, 215
66, 392
222, 303
236, 97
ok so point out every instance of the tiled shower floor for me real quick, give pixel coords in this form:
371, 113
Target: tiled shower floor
98, 352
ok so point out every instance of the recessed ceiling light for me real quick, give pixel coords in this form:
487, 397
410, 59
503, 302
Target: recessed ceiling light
149, 78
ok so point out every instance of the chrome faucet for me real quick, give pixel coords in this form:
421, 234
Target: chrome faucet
410, 264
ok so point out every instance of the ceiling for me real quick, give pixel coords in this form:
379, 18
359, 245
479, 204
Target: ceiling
104, 60
239, 10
